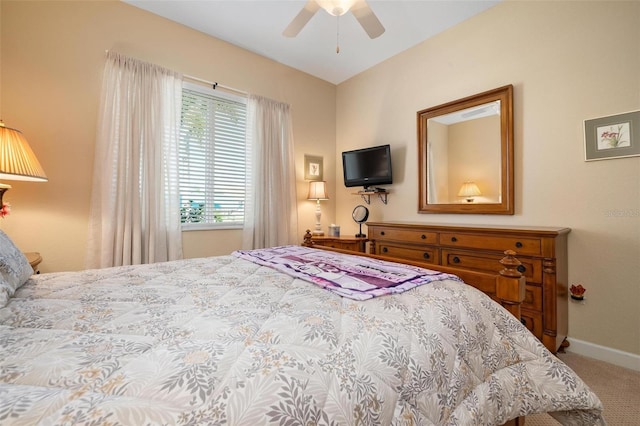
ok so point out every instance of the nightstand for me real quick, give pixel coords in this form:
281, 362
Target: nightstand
345, 243
34, 259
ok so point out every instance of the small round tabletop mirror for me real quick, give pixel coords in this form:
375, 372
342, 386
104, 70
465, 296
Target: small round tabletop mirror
360, 215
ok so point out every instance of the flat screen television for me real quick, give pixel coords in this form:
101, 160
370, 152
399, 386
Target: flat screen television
367, 167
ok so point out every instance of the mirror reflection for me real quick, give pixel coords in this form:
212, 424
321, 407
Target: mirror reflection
465, 155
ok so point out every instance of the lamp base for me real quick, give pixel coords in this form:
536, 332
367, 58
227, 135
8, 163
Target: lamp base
318, 231
3, 188
361, 235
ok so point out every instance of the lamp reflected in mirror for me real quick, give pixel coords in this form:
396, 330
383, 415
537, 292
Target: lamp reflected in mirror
468, 190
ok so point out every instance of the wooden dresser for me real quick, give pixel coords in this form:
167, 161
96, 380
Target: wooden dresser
542, 251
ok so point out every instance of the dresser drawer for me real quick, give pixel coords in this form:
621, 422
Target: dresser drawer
340, 245
421, 254
532, 298
522, 246
403, 235
530, 268
533, 321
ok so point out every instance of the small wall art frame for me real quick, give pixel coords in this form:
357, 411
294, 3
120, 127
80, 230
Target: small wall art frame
312, 167
615, 136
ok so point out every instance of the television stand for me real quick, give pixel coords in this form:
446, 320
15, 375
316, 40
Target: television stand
367, 193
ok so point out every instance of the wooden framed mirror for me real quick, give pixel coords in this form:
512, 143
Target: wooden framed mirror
465, 155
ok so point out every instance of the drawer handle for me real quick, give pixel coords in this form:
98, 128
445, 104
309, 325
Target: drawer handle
519, 244
424, 237
384, 249
454, 239
521, 269
382, 233
456, 259
426, 256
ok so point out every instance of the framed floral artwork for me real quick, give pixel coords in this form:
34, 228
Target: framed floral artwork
312, 167
615, 136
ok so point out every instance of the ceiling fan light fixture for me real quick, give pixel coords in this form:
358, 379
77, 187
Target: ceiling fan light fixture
359, 8
336, 7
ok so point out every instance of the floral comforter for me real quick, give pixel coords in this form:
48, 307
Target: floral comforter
226, 341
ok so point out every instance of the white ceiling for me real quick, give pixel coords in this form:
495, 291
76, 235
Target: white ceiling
257, 25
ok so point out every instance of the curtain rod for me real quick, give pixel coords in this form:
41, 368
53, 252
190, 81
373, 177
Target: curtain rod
214, 84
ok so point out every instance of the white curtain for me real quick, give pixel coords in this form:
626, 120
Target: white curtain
135, 212
271, 206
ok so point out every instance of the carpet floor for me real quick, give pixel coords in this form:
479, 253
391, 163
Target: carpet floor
617, 387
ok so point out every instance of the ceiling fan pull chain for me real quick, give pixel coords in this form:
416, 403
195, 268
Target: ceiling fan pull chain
337, 34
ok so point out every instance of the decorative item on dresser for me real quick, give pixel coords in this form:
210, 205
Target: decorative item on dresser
360, 215
356, 244
541, 250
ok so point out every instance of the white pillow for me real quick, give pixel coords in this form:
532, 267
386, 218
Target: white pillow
15, 269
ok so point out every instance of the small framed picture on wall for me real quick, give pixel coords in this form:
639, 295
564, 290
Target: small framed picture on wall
312, 167
615, 136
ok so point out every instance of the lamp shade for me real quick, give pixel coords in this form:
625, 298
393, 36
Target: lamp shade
17, 160
469, 189
318, 190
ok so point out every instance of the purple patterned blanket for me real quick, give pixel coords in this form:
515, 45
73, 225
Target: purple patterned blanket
355, 277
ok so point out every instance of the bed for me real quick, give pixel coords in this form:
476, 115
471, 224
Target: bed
234, 340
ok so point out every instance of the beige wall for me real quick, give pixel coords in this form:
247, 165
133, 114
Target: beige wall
568, 61
52, 60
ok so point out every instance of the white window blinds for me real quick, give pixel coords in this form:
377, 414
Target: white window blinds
212, 158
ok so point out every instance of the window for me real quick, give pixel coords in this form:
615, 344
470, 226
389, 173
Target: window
212, 158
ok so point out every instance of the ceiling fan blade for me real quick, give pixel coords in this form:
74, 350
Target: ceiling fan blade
367, 19
301, 19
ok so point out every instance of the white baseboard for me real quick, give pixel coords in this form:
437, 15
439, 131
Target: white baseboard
603, 353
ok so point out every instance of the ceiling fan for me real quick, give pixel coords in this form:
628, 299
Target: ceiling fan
360, 9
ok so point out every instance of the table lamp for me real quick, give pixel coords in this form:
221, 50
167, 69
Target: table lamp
317, 192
